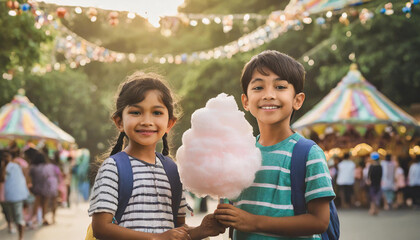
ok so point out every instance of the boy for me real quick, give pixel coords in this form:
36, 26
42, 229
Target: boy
272, 85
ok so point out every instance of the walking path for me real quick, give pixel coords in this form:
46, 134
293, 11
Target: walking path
355, 224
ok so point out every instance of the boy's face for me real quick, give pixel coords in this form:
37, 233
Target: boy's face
270, 99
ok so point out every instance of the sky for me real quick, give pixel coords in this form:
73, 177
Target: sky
149, 9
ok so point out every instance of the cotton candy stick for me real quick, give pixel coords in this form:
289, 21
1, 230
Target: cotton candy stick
218, 156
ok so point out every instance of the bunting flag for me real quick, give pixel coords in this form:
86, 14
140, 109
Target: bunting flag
21, 120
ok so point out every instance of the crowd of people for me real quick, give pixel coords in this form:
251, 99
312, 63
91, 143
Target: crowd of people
32, 182
375, 181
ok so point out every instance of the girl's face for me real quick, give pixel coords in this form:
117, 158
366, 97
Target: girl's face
145, 122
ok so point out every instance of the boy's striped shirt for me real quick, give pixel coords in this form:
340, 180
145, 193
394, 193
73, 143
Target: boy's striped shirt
270, 194
150, 206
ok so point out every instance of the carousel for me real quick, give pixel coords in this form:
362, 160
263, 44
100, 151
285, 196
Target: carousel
356, 115
21, 121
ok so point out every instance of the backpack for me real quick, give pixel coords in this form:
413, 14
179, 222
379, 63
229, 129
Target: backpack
297, 178
125, 185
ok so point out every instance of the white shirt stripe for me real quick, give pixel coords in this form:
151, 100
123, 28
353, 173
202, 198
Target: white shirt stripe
282, 152
265, 204
317, 176
324, 189
267, 185
274, 168
314, 161
293, 141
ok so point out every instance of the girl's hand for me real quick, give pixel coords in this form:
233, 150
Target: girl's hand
174, 234
211, 227
231, 216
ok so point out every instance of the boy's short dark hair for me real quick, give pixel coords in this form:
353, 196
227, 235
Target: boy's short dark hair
279, 63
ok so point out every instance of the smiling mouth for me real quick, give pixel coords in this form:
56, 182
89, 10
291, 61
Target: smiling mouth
146, 131
270, 107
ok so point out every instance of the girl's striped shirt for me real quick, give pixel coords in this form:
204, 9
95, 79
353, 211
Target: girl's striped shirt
150, 206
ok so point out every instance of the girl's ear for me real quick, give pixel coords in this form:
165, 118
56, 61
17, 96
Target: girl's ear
118, 123
171, 123
244, 100
298, 101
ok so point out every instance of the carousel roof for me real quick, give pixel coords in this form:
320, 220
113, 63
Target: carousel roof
354, 101
22, 119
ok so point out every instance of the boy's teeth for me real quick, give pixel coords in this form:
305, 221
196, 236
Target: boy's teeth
272, 107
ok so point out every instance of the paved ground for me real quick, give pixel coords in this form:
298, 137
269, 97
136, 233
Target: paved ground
355, 224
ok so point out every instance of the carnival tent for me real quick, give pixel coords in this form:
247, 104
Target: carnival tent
355, 104
21, 120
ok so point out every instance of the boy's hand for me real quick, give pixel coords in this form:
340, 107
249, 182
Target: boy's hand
174, 234
211, 226
231, 216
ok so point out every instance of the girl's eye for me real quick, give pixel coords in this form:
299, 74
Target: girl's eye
134, 113
157, 113
257, 88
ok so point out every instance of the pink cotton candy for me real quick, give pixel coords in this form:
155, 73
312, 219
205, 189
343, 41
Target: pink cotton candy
218, 156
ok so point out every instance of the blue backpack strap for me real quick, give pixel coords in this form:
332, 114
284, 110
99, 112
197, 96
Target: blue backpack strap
297, 179
298, 173
171, 170
125, 182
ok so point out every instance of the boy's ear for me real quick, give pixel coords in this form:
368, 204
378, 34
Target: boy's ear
171, 123
244, 100
118, 123
298, 101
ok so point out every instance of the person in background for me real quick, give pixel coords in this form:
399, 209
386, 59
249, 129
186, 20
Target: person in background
8, 219
387, 182
15, 190
58, 167
345, 180
374, 182
414, 181
359, 185
400, 185
44, 185
23, 163
67, 172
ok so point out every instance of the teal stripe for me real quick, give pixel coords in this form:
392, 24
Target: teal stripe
270, 195
267, 176
254, 236
331, 113
392, 114
14, 124
363, 113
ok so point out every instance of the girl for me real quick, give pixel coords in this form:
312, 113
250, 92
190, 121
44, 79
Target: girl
144, 115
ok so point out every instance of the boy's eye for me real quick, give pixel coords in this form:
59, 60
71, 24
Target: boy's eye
257, 88
281, 87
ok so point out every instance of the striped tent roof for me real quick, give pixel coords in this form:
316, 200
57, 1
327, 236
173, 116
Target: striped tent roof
355, 101
20, 119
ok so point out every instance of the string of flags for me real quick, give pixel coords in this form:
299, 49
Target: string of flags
79, 51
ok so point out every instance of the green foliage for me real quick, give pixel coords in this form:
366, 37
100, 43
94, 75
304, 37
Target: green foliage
19, 41
81, 101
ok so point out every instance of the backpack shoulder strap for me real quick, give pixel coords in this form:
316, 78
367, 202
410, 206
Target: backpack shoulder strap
125, 182
171, 170
298, 173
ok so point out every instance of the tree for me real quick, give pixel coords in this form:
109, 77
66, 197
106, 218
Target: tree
20, 41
